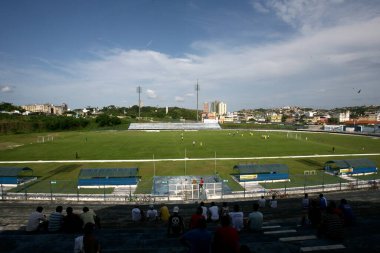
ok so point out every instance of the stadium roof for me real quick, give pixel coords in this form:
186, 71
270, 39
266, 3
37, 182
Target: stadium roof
173, 126
353, 163
261, 168
13, 172
108, 172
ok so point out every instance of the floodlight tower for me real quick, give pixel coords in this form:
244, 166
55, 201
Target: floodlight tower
139, 90
197, 89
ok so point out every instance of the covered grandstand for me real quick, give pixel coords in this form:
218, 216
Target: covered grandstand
350, 167
261, 172
111, 177
15, 176
174, 126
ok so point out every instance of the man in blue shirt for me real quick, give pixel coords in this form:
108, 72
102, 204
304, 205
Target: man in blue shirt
199, 239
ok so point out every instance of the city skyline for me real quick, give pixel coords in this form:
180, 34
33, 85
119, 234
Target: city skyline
248, 54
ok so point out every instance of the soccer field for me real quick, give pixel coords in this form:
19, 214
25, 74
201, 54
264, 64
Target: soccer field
145, 149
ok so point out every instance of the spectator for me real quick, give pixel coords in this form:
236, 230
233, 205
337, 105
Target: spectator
237, 218
314, 214
305, 202
136, 213
226, 238
152, 214
273, 202
348, 214
88, 216
199, 239
201, 183
164, 213
195, 218
214, 212
255, 219
71, 222
322, 202
56, 220
332, 225
37, 221
87, 243
176, 226
224, 211
261, 202
204, 210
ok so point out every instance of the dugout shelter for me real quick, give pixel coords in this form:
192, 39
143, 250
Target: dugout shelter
15, 176
261, 172
350, 167
111, 177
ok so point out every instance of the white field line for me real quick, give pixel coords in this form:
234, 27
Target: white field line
187, 159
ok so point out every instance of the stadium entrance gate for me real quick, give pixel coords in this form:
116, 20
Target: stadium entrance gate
193, 191
187, 187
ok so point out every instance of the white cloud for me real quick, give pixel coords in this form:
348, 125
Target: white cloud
259, 6
179, 99
6, 88
151, 93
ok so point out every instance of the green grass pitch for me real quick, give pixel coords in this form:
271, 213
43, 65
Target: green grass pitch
140, 145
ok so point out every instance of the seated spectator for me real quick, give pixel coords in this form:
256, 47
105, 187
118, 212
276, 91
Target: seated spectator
195, 218
226, 238
348, 214
305, 202
87, 243
164, 213
199, 239
273, 202
137, 214
332, 225
214, 212
255, 219
88, 216
314, 214
204, 210
71, 222
56, 220
152, 213
224, 211
176, 225
237, 218
262, 201
322, 202
37, 221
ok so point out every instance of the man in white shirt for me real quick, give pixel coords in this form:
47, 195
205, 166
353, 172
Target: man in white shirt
36, 221
136, 214
204, 210
273, 202
152, 213
255, 219
214, 212
261, 201
237, 218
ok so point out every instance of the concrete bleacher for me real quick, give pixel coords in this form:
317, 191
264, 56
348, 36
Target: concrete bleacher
174, 126
281, 232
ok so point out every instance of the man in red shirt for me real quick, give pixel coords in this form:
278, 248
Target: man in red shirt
226, 238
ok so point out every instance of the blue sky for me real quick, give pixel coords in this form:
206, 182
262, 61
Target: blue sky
247, 53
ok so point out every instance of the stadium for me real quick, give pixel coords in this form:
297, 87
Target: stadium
113, 171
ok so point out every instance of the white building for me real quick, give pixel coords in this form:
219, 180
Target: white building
218, 107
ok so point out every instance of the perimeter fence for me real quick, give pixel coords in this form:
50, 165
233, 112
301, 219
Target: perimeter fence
66, 190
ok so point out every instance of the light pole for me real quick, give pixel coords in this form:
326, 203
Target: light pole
197, 90
139, 90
